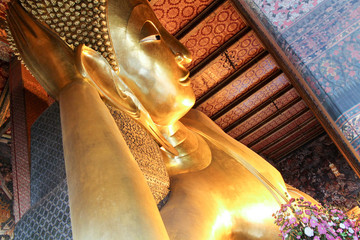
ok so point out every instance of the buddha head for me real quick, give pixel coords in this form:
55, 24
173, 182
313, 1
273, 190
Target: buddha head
130, 37
150, 60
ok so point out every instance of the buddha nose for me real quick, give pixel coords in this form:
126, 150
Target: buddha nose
182, 54
182, 59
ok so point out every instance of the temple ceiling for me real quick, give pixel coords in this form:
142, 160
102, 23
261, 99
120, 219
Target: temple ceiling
237, 83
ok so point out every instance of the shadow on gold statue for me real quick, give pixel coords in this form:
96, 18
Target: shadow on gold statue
220, 188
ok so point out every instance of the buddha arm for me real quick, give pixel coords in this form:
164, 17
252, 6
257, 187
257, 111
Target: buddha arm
109, 198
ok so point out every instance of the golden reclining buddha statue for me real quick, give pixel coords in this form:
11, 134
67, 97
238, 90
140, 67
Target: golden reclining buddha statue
220, 189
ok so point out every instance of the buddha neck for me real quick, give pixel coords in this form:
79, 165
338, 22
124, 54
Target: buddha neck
194, 152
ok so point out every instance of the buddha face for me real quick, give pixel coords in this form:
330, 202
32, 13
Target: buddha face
151, 64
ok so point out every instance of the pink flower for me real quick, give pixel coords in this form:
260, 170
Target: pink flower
316, 238
347, 223
313, 223
292, 220
305, 220
307, 212
321, 229
329, 237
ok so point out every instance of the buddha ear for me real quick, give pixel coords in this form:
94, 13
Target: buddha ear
94, 67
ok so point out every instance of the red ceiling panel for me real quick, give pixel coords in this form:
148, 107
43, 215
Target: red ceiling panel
291, 126
272, 125
309, 127
262, 115
175, 14
245, 49
216, 71
240, 53
304, 138
286, 98
258, 117
214, 31
253, 101
240, 85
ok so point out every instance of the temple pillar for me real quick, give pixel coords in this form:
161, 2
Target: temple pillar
27, 101
19, 145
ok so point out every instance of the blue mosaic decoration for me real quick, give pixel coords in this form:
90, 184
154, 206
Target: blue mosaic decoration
47, 158
49, 219
49, 216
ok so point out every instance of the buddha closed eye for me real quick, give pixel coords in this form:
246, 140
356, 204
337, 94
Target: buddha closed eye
149, 33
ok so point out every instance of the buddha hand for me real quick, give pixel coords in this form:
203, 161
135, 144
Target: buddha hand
48, 57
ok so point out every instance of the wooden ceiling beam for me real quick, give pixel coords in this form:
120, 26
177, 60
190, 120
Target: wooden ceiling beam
282, 125
303, 140
253, 111
219, 51
248, 93
199, 18
258, 108
269, 118
288, 134
230, 78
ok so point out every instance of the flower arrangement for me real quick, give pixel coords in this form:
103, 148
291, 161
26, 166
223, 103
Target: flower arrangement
300, 219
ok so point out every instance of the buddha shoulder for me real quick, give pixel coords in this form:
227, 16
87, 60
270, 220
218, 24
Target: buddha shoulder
204, 126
